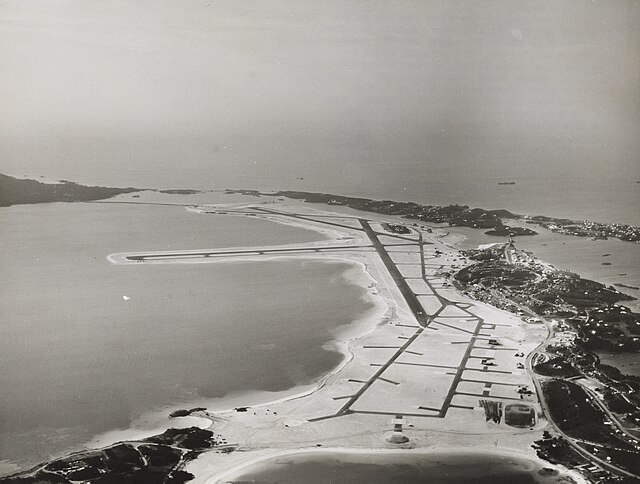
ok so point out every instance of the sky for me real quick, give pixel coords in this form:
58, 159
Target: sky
204, 92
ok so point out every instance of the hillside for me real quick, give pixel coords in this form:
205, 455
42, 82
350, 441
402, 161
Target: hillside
14, 191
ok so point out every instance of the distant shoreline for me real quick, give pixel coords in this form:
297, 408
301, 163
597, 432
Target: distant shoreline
464, 216
348, 355
15, 191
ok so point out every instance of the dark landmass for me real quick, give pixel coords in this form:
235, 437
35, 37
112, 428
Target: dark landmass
527, 284
619, 393
572, 410
454, 215
14, 191
396, 228
505, 231
557, 367
626, 459
557, 450
594, 405
544, 295
577, 414
181, 191
586, 228
158, 459
463, 216
612, 328
186, 413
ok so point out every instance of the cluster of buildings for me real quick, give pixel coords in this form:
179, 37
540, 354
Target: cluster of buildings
593, 229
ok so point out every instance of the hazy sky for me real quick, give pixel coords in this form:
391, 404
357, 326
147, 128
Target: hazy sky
230, 90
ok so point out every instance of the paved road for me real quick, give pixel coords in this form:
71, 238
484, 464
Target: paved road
608, 413
545, 408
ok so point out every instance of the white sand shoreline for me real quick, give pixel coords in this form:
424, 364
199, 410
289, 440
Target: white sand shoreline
341, 341
371, 276
248, 465
256, 449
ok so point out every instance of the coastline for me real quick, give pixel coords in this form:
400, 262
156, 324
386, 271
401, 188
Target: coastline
366, 271
261, 459
562, 251
158, 420
235, 210
206, 468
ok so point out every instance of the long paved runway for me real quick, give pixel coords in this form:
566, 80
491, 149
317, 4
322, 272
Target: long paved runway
466, 331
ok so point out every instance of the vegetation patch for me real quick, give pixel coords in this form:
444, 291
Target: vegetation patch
574, 413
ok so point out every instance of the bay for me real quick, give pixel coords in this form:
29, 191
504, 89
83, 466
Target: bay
78, 359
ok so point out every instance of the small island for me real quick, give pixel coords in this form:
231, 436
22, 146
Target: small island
506, 231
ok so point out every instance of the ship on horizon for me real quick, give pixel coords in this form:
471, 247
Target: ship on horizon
506, 183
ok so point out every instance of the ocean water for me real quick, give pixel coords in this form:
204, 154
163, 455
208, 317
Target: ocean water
581, 255
378, 468
601, 199
78, 360
429, 101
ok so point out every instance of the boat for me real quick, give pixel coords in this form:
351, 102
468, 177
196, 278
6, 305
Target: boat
507, 183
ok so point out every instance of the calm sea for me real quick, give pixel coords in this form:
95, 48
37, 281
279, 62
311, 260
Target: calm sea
78, 360
377, 468
614, 199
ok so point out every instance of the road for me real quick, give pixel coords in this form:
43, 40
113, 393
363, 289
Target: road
545, 408
423, 320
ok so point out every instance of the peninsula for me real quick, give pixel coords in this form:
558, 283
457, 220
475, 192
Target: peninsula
15, 191
594, 406
464, 216
465, 349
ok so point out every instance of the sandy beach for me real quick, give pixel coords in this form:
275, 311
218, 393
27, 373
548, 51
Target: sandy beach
525, 462
363, 273
410, 366
436, 414
414, 367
